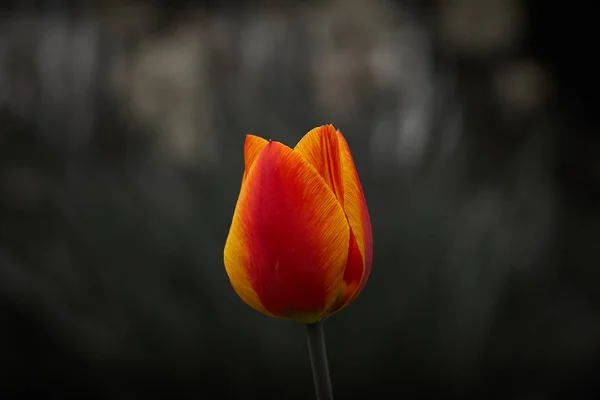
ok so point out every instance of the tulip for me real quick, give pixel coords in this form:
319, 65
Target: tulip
300, 244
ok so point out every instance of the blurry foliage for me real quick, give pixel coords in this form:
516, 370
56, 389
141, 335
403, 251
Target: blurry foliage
121, 134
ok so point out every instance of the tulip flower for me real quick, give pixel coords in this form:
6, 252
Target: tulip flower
300, 243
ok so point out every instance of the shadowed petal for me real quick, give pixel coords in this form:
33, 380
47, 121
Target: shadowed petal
353, 275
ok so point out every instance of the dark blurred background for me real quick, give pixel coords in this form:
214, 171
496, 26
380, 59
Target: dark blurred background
474, 130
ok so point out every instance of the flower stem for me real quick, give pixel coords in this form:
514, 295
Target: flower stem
318, 361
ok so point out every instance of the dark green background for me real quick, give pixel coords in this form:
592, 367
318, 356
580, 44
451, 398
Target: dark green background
121, 152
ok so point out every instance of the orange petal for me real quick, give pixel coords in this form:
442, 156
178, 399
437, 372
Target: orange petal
320, 147
252, 149
355, 207
288, 244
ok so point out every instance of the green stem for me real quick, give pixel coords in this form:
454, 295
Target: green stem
318, 360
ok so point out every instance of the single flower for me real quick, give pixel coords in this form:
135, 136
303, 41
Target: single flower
300, 243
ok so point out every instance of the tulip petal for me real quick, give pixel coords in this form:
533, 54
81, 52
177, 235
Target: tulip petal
288, 244
353, 275
320, 147
360, 256
252, 149
327, 150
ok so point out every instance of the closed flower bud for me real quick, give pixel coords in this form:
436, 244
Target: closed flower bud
300, 243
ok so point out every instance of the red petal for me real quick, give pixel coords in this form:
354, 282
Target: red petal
288, 244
